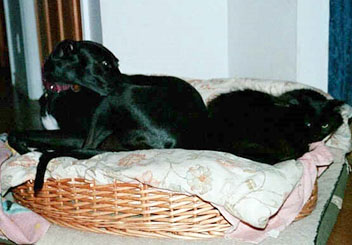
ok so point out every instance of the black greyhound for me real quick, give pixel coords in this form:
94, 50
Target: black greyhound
91, 107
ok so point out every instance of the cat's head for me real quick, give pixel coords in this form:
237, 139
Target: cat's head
322, 118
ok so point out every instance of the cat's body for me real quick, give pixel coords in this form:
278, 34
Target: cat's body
268, 128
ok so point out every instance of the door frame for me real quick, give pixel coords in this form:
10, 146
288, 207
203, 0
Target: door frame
31, 49
91, 20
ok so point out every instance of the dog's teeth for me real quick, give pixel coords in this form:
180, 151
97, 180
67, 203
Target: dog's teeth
49, 122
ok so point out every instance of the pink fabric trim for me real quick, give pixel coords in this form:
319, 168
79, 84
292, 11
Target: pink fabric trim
319, 156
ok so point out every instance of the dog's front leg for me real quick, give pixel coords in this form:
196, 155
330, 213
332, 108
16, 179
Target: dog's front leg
99, 128
25, 141
46, 157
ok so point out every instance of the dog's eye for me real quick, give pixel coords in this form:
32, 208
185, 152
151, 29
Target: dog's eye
308, 124
106, 64
76, 88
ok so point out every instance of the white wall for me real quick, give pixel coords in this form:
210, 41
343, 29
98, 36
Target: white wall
271, 39
262, 39
182, 38
313, 42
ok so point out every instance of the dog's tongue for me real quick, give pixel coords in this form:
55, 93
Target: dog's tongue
55, 87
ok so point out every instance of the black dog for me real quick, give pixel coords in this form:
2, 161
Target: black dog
271, 129
91, 107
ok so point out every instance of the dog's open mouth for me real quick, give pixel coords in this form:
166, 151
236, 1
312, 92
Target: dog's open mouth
59, 87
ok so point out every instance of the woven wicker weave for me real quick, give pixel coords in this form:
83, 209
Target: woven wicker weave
127, 209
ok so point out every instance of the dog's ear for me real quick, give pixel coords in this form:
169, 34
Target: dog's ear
65, 48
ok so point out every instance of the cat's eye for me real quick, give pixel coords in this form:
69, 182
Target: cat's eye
308, 125
325, 125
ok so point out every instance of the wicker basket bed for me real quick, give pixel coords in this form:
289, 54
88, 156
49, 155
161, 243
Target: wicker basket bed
128, 209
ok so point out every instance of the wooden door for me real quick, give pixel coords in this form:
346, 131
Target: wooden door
57, 20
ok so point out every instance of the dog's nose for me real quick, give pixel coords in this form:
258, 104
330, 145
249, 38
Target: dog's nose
65, 48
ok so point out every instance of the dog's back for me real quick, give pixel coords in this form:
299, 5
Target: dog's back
159, 112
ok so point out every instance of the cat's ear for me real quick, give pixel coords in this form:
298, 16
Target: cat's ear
288, 103
334, 104
293, 102
281, 104
292, 98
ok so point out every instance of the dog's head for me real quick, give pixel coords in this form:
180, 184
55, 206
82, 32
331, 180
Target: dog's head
82, 63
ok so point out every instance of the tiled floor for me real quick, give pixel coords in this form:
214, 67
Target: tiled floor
17, 112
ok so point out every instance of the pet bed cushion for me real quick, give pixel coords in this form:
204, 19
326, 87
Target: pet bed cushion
314, 229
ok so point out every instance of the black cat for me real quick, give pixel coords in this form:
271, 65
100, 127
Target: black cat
271, 129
